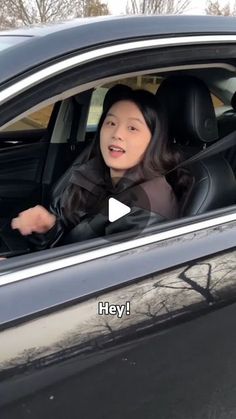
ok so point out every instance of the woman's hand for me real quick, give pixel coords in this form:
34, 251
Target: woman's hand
34, 220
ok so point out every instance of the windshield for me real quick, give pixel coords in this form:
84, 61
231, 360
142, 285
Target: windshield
9, 41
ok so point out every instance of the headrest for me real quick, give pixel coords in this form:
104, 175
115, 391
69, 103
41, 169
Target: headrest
191, 115
233, 101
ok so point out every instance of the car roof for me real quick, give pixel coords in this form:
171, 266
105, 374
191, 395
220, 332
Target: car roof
52, 27
163, 24
48, 42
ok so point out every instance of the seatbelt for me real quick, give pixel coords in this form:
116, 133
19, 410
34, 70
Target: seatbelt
223, 144
72, 140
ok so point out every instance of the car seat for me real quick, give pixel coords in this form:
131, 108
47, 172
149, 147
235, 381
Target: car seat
192, 125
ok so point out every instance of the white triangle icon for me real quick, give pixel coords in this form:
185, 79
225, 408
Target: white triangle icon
116, 209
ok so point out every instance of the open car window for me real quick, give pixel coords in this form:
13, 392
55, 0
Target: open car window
70, 140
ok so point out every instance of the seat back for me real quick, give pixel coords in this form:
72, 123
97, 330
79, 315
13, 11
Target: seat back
192, 125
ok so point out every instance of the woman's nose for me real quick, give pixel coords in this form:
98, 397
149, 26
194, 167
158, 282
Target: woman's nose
118, 132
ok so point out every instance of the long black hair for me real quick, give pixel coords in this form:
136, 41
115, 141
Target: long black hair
159, 159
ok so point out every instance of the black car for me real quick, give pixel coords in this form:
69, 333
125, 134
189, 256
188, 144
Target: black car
132, 327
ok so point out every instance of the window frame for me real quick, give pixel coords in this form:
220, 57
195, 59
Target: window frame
50, 256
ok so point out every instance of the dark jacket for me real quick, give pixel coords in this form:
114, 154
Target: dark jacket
151, 202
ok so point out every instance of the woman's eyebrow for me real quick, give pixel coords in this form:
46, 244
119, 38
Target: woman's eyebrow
111, 114
131, 118
137, 119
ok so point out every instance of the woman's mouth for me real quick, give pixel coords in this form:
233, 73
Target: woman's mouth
115, 151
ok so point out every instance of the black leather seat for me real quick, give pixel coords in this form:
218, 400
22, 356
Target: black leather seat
227, 121
192, 125
226, 125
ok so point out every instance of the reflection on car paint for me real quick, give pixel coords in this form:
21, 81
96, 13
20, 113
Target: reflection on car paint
155, 303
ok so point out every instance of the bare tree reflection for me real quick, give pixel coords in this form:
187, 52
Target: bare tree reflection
205, 292
154, 302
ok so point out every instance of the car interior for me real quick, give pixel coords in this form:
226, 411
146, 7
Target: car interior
38, 150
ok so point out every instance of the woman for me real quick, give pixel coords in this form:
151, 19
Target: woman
128, 162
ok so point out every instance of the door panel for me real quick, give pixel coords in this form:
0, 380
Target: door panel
186, 372
172, 348
13, 138
23, 149
21, 169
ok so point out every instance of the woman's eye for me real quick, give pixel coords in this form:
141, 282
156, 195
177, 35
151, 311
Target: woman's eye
132, 128
110, 123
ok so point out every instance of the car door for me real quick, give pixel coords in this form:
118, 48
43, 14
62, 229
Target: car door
128, 328
145, 329
23, 150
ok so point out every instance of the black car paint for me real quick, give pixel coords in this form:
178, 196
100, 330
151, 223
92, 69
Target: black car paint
46, 293
161, 372
91, 352
65, 41
188, 372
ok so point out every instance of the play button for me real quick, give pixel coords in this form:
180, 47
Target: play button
117, 210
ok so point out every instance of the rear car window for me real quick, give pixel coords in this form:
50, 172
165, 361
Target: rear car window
34, 121
147, 82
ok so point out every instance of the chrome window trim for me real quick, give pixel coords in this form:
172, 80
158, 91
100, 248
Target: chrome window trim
25, 273
103, 52
100, 82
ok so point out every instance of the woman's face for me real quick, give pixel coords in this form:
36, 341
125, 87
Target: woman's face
124, 137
